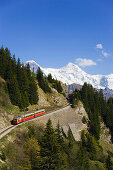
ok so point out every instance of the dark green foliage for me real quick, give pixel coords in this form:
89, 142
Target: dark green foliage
55, 83
33, 96
50, 79
42, 81
3, 155
50, 149
74, 103
28, 71
21, 84
70, 138
84, 120
90, 98
89, 144
3, 62
4, 97
24, 100
59, 137
14, 92
82, 158
109, 163
83, 139
57, 86
89, 152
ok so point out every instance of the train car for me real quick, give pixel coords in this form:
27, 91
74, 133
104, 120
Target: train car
22, 118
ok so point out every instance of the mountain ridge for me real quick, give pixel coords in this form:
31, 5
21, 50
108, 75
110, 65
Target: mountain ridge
71, 73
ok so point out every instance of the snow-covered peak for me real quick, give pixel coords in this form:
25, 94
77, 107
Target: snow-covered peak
71, 65
33, 65
71, 73
72, 68
32, 62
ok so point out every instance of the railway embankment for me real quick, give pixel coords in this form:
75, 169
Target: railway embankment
66, 117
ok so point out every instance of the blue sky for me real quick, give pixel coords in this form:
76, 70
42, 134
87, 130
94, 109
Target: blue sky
56, 32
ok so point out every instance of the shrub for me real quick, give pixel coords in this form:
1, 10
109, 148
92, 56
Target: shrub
84, 120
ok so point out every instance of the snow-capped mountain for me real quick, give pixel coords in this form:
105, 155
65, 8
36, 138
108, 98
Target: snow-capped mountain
71, 73
33, 65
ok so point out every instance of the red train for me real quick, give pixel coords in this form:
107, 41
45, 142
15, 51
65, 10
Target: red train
22, 118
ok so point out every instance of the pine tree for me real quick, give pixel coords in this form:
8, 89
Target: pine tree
3, 62
39, 74
14, 66
59, 135
42, 81
33, 95
91, 145
50, 149
81, 158
9, 71
28, 71
24, 100
32, 150
14, 91
70, 138
83, 140
109, 163
23, 84
74, 103
50, 78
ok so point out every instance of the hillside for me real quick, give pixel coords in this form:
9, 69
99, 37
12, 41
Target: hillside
12, 156
73, 135
23, 90
9, 111
68, 118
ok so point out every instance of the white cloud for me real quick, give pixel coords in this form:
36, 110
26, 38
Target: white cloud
99, 46
83, 62
105, 54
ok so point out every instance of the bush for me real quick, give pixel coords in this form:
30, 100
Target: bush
3, 156
84, 120
74, 103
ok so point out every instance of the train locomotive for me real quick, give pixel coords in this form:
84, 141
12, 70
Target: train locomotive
22, 118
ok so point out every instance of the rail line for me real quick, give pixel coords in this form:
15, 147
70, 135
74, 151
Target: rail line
8, 129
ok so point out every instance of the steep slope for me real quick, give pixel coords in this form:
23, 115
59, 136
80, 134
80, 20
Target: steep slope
49, 101
7, 110
71, 73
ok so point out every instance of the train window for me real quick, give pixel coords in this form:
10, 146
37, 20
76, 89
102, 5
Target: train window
29, 115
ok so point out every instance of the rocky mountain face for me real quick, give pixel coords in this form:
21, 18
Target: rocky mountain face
71, 73
72, 87
106, 92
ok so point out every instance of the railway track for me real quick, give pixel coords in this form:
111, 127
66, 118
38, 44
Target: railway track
4, 132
